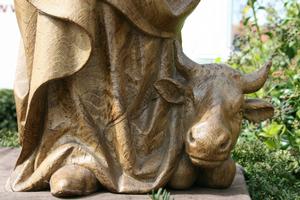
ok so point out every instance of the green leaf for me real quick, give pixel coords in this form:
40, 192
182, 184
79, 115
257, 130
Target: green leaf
270, 34
246, 9
271, 144
218, 60
272, 130
245, 21
298, 114
297, 133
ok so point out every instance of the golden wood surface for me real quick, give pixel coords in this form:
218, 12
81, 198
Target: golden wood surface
104, 91
237, 191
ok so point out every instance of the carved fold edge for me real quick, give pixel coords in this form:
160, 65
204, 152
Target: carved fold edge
79, 15
172, 10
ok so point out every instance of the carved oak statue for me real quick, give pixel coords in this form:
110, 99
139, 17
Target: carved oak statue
106, 98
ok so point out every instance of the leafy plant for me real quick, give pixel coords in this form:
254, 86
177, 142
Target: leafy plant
8, 119
270, 174
270, 151
8, 138
161, 194
278, 36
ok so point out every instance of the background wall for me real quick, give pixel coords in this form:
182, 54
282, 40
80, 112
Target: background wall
207, 33
9, 42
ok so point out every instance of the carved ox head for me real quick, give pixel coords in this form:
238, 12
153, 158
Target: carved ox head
213, 108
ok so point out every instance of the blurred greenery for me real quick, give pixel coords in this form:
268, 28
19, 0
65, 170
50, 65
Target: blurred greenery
270, 174
270, 151
8, 138
279, 37
8, 119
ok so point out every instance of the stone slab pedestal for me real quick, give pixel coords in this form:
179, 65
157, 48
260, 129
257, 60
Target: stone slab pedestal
8, 156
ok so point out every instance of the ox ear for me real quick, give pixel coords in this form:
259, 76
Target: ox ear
170, 90
257, 110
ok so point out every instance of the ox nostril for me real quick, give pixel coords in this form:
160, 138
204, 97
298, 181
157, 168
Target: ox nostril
190, 136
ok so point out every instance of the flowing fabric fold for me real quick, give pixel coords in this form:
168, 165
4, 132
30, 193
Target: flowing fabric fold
54, 49
84, 91
161, 18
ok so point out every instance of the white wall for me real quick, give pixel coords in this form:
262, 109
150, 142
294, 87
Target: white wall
9, 43
206, 35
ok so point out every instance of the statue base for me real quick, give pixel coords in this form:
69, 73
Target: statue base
237, 191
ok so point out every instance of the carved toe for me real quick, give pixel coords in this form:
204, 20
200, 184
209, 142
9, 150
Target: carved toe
73, 180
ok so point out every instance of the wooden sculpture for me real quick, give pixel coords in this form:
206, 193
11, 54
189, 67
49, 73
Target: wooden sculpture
106, 99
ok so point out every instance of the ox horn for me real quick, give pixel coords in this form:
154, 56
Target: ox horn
183, 64
254, 81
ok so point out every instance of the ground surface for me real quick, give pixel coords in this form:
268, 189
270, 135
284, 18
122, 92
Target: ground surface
8, 157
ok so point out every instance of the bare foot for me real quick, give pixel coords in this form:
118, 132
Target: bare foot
73, 180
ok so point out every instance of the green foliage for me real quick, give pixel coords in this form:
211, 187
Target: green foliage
161, 194
270, 151
270, 174
8, 138
279, 37
8, 119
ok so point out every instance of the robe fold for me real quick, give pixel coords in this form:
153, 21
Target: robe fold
84, 91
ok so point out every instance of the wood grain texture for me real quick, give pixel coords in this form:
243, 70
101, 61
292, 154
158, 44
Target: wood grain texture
104, 86
237, 191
